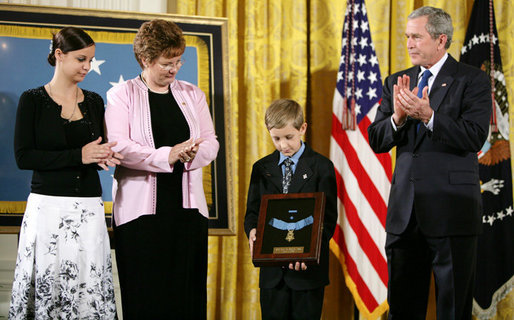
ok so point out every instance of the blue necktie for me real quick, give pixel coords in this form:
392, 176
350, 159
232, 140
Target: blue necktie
288, 172
422, 84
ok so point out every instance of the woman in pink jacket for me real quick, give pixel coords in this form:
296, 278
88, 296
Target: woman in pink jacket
164, 130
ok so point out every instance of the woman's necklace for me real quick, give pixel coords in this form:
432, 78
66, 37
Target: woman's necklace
146, 84
74, 107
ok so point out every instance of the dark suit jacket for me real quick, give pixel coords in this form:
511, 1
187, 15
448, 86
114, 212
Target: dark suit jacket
267, 179
436, 173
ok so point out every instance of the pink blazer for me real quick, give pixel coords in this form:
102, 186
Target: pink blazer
128, 122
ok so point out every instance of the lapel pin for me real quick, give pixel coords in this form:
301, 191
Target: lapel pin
305, 176
443, 85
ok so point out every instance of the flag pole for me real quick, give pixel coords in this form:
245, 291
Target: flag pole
355, 312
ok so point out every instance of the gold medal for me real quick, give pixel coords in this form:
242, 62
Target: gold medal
290, 235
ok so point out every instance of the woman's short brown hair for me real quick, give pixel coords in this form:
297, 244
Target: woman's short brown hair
158, 37
281, 112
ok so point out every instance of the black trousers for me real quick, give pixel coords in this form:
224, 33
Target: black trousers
284, 303
162, 266
412, 256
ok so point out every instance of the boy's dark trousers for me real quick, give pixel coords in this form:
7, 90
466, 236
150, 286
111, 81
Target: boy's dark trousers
285, 303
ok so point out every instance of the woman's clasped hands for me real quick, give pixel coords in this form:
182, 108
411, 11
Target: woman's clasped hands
101, 154
185, 151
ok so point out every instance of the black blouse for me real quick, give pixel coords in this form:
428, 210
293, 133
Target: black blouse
169, 127
52, 146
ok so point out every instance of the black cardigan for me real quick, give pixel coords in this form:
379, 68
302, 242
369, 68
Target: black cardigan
41, 144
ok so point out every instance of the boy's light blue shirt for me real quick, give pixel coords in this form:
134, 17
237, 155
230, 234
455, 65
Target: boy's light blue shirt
294, 158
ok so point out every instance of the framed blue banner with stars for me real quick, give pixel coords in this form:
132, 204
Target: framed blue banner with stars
25, 33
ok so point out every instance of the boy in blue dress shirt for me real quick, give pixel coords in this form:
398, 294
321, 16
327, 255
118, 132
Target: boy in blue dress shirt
294, 291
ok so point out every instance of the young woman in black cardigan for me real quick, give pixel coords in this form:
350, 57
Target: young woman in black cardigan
63, 268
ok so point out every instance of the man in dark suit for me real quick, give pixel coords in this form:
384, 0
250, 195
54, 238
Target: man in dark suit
437, 116
294, 291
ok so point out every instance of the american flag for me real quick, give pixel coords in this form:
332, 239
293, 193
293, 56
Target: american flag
363, 177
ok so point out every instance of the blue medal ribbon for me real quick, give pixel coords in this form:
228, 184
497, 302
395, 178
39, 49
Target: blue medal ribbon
298, 225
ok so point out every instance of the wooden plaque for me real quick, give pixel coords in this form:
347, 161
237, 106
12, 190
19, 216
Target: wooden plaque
289, 229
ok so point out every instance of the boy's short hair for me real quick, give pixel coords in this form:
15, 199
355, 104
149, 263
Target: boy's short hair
284, 111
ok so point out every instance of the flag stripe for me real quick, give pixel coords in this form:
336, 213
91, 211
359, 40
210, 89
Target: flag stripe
352, 268
383, 158
365, 213
368, 188
365, 240
377, 166
363, 177
366, 270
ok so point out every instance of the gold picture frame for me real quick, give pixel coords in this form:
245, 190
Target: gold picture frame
30, 26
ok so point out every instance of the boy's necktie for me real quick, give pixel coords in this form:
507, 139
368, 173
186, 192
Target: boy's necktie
288, 172
422, 84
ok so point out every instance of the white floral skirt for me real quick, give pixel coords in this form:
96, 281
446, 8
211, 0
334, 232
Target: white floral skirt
63, 268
